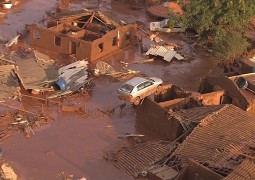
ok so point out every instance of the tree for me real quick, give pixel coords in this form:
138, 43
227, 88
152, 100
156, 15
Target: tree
208, 15
224, 21
229, 46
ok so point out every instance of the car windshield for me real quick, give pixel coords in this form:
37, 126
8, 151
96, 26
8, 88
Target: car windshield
127, 88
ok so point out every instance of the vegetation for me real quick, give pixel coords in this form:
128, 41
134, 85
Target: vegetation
229, 46
221, 24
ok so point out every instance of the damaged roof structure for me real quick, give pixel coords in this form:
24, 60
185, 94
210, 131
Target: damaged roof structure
221, 142
176, 111
39, 74
33, 76
134, 160
206, 139
86, 35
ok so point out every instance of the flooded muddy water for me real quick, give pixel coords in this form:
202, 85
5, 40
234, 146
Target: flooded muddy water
73, 144
27, 12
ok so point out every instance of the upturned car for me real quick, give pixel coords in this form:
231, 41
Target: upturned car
138, 88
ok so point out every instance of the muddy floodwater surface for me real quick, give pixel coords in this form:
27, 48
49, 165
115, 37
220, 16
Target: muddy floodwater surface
73, 144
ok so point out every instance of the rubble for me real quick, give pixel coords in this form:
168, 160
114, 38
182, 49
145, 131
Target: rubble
163, 26
8, 82
208, 137
103, 68
218, 150
71, 78
12, 41
7, 172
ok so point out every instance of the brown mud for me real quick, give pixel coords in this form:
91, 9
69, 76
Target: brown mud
74, 143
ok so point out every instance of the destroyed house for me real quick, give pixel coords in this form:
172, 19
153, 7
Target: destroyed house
175, 111
222, 142
86, 35
163, 122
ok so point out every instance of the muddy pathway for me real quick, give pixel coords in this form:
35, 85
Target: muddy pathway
73, 144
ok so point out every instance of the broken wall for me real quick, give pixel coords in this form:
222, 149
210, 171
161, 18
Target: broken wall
59, 43
154, 119
213, 98
170, 92
110, 42
211, 84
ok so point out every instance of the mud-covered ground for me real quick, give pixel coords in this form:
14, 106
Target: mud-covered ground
73, 144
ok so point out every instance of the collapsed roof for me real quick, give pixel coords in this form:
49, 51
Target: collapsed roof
218, 141
96, 24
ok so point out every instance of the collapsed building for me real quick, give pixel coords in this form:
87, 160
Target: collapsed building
213, 141
168, 109
165, 115
221, 146
86, 35
206, 136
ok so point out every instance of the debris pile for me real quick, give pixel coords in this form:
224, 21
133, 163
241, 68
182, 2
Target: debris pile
71, 78
103, 68
7, 172
8, 83
12, 122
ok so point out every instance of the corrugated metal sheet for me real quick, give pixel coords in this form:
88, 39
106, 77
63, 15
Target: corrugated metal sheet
246, 170
134, 160
75, 76
167, 54
229, 127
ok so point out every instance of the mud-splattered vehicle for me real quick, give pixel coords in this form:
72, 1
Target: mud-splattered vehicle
138, 88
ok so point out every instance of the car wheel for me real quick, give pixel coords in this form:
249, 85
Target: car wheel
159, 89
137, 101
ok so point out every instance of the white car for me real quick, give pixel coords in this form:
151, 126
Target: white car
138, 88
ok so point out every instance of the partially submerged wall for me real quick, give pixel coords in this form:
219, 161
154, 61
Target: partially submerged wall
153, 118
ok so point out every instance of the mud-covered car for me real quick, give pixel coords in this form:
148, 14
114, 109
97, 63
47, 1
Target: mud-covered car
138, 88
